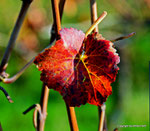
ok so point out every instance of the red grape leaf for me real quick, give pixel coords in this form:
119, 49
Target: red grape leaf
82, 73
95, 68
56, 63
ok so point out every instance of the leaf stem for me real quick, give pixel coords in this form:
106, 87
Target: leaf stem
124, 37
103, 15
101, 124
14, 34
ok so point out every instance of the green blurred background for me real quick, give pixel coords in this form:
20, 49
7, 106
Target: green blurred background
129, 103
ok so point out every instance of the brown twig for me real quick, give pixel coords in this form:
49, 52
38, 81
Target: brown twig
61, 8
72, 118
29, 109
56, 17
43, 104
93, 7
37, 110
105, 124
18, 74
6, 94
124, 37
45, 90
14, 35
101, 124
100, 18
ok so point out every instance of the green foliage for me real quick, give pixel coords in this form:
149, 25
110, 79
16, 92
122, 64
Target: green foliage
128, 105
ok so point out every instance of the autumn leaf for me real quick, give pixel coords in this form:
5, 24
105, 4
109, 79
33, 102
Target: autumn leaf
95, 68
82, 71
56, 63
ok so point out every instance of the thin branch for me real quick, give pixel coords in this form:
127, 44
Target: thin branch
93, 7
43, 104
6, 94
61, 8
18, 74
14, 35
103, 15
105, 125
29, 109
105, 122
45, 90
56, 17
72, 118
124, 37
101, 124
37, 110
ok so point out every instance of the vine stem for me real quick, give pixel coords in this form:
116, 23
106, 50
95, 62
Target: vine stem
93, 8
61, 8
14, 34
102, 118
123, 37
56, 17
43, 105
45, 89
6, 94
19, 73
102, 16
72, 118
